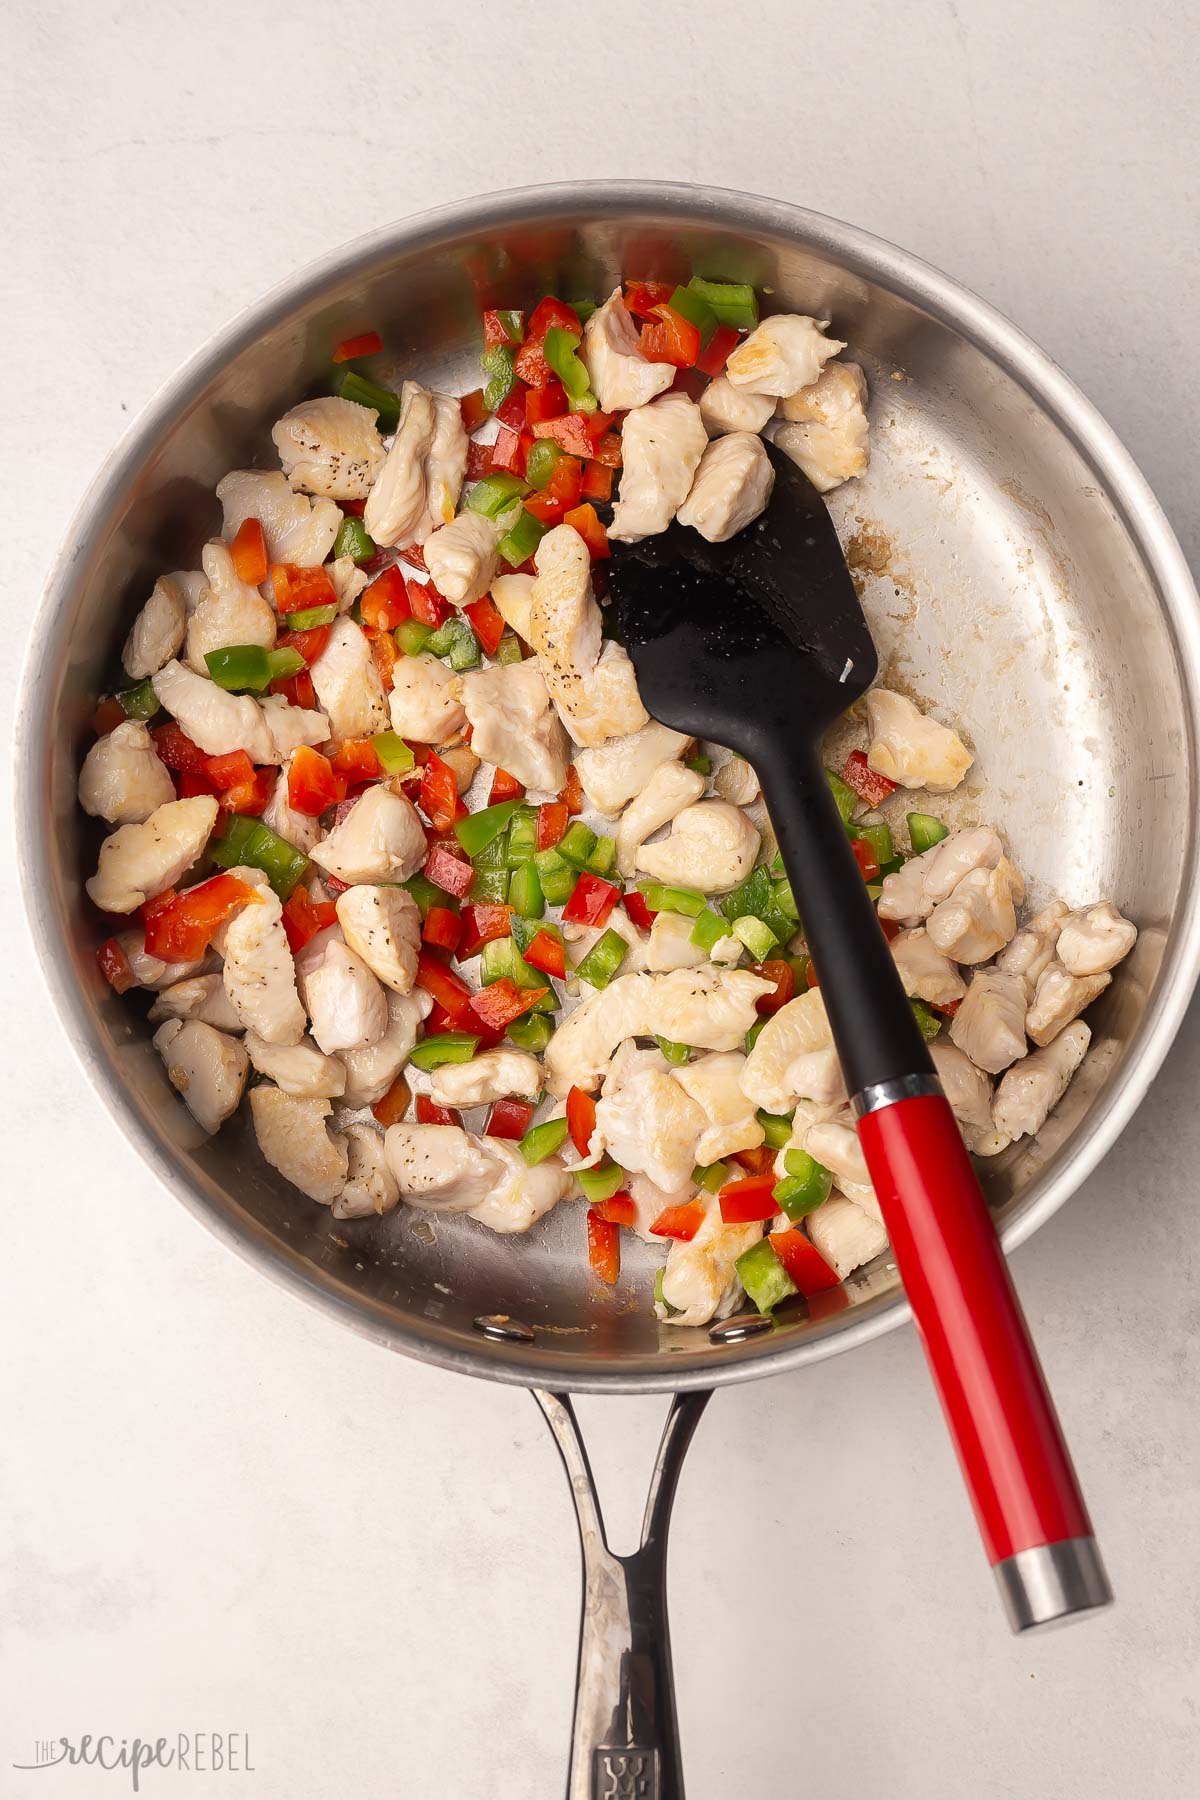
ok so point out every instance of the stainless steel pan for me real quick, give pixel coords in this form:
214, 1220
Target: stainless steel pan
1016, 570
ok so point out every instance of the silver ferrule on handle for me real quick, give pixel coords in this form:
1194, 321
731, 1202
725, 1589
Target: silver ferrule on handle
1053, 1584
887, 1093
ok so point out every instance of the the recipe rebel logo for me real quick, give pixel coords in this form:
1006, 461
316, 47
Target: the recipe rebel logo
196, 1752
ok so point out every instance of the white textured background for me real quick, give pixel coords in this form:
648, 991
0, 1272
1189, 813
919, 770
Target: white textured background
223, 1513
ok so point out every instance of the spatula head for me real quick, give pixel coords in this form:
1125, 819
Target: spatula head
758, 639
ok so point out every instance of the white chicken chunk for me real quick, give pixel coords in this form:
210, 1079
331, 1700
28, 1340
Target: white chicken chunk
381, 839
796, 1030
152, 972
300, 1069
910, 749
158, 630
714, 1083
397, 506
925, 972
296, 827
647, 1122
514, 725
969, 1092
737, 782
620, 375
347, 1006
834, 1144
731, 488
123, 779
489, 1076
520, 1196
1027, 1095
425, 700
1095, 940
290, 726
612, 773
910, 894
200, 997
826, 432
259, 974
348, 684
371, 1189
711, 1009
216, 721
446, 464
817, 1075
139, 861
1032, 950
512, 594
441, 1168
372, 1068
229, 611
463, 557
845, 1234
661, 445
580, 938
980, 916
1058, 998
670, 945
294, 1138
783, 354
347, 581
297, 529
724, 407
591, 682
711, 846
383, 926
205, 1066
330, 446
990, 1024
670, 788
700, 1282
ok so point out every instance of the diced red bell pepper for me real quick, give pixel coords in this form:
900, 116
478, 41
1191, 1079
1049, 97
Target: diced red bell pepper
367, 343
428, 1113
743, 1202
592, 900
297, 690
619, 1209
114, 964
188, 785
682, 1222
690, 382
486, 623
635, 905
546, 953
604, 1247
810, 972
414, 555
578, 433
297, 588
758, 1161
304, 917
864, 855
357, 759
309, 644
585, 520
572, 792
385, 603
803, 1262
551, 823
427, 605
438, 798
438, 978
249, 553
548, 402
494, 329
229, 771
482, 923
108, 715
498, 1004
597, 482
507, 453
717, 351
182, 929
949, 1009
508, 1118
394, 1104
511, 412
504, 787
609, 450
176, 749
479, 460
385, 656
889, 927
643, 297
530, 364
782, 975
443, 929
253, 796
869, 786
545, 508
581, 1119
451, 872
474, 412
670, 338
356, 508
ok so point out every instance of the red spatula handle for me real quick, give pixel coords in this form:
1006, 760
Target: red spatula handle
1031, 1514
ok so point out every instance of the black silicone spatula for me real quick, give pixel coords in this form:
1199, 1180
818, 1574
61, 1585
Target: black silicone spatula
760, 643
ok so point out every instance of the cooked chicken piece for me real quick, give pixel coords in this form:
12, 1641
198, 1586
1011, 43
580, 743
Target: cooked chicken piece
200, 997
1058, 998
446, 464
621, 377
520, 1196
290, 726
647, 1122
650, 1200
230, 611
514, 725
827, 429
294, 1138
383, 926
969, 1092
397, 505
371, 1069
208, 1068
737, 782
714, 1083
580, 938
925, 972
980, 916
123, 779
661, 444
846, 1236
511, 594
1027, 1095
297, 827
348, 684
1032, 950
724, 407
381, 839
613, 772
582, 1047
954, 858
139, 861
670, 945
425, 702
158, 629
259, 974
731, 488
252, 878
300, 1069
347, 1006
218, 722
817, 1075
371, 1188
910, 749
807, 1114
1095, 940
442, 1168
330, 446
796, 1030
711, 846
151, 972
835, 1146
783, 354
990, 1023
489, 1076
699, 1280
669, 790
297, 529
592, 683
347, 581
462, 557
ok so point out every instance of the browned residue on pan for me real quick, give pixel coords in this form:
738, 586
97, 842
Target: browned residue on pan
872, 551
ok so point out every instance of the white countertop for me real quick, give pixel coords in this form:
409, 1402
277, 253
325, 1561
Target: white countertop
221, 1512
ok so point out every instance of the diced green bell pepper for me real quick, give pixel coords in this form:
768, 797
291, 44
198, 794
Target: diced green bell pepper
754, 1033
412, 636
600, 1184
561, 350
696, 310
311, 617
603, 959
522, 539
247, 840
490, 887
541, 1141
480, 829
509, 650
443, 1047
532, 1032
395, 757
708, 931
756, 898
929, 1023
777, 1128
576, 844
495, 493
660, 1298
711, 1176
524, 930
805, 1186
674, 1053
763, 1276
557, 876
522, 836
734, 302
497, 361
140, 702
924, 831
603, 856
424, 892
700, 762
660, 898
513, 325
353, 540
525, 892
758, 938
456, 640
495, 854
845, 795
500, 958
784, 901
241, 667
878, 836
353, 386
544, 455
583, 309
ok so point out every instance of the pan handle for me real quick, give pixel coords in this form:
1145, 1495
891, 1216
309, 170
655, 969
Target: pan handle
625, 1738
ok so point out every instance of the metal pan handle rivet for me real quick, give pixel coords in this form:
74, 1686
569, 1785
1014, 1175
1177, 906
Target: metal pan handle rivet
504, 1330
736, 1331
